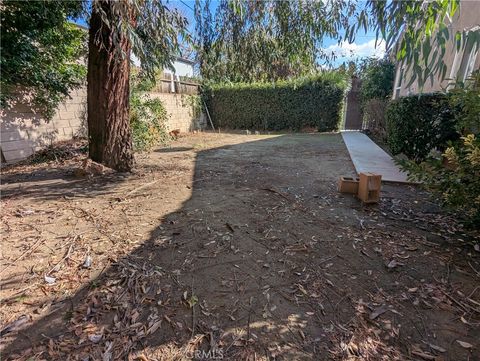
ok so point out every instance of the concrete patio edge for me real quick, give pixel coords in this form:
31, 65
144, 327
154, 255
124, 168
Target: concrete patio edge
369, 157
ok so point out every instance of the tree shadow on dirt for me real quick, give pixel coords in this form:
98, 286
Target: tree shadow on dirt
173, 149
258, 263
50, 184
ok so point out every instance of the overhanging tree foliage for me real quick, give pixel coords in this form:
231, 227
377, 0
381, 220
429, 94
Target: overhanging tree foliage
39, 51
265, 40
261, 40
415, 32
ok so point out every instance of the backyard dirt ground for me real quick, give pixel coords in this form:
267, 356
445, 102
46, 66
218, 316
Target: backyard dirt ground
235, 247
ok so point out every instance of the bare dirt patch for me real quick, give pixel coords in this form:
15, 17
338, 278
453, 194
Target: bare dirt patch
237, 246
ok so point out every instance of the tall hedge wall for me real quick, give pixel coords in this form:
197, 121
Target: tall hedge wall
314, 102
419, 123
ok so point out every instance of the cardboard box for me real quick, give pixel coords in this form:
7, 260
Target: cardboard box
369, 187
348, 185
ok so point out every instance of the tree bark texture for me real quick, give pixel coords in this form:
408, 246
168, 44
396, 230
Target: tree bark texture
108, 91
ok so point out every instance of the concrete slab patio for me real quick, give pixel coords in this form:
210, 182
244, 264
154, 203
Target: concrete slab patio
369, 157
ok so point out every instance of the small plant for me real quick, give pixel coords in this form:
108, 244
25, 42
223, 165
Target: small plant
94, 284
147, 118
191, 300
454, 177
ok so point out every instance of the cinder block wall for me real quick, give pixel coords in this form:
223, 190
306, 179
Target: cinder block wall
24, 131
181, 114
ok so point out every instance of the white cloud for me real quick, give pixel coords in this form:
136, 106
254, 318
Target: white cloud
347, 51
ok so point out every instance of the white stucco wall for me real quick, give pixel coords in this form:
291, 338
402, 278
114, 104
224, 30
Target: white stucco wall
181, 68
467, 18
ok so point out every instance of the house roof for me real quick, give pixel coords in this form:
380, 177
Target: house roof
79, 26
184, 60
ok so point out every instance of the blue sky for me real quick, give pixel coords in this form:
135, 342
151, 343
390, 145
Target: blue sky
364, 45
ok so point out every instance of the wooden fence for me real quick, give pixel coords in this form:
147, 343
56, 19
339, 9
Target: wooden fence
180, 86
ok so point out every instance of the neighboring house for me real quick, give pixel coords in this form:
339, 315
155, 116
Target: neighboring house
460, 63
181, 67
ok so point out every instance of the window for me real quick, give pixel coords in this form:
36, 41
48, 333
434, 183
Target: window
468, 62
465, 57
399, 81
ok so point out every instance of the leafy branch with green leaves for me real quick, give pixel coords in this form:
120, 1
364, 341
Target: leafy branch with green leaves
148, 117
41, 52
270, 40
416, 32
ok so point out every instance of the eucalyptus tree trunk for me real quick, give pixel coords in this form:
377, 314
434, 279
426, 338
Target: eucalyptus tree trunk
110, 137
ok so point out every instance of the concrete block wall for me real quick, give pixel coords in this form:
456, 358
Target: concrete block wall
181, 114
24, 131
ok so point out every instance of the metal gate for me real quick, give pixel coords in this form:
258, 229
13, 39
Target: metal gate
353, 113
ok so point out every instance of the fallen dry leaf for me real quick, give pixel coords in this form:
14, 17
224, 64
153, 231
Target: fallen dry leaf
437, 348
465, 344
95, 338
393, 263
378, 311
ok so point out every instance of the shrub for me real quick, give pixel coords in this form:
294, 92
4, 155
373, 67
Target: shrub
147, 119
285, 105
374, 117
455, 176
418, 124
377, 76
465, 97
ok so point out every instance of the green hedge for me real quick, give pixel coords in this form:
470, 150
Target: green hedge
417, 124
288, 105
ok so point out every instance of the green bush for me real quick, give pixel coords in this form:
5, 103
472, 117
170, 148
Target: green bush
285, 105
377, 76
418, 124
454, 176
148, 118
465, 98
